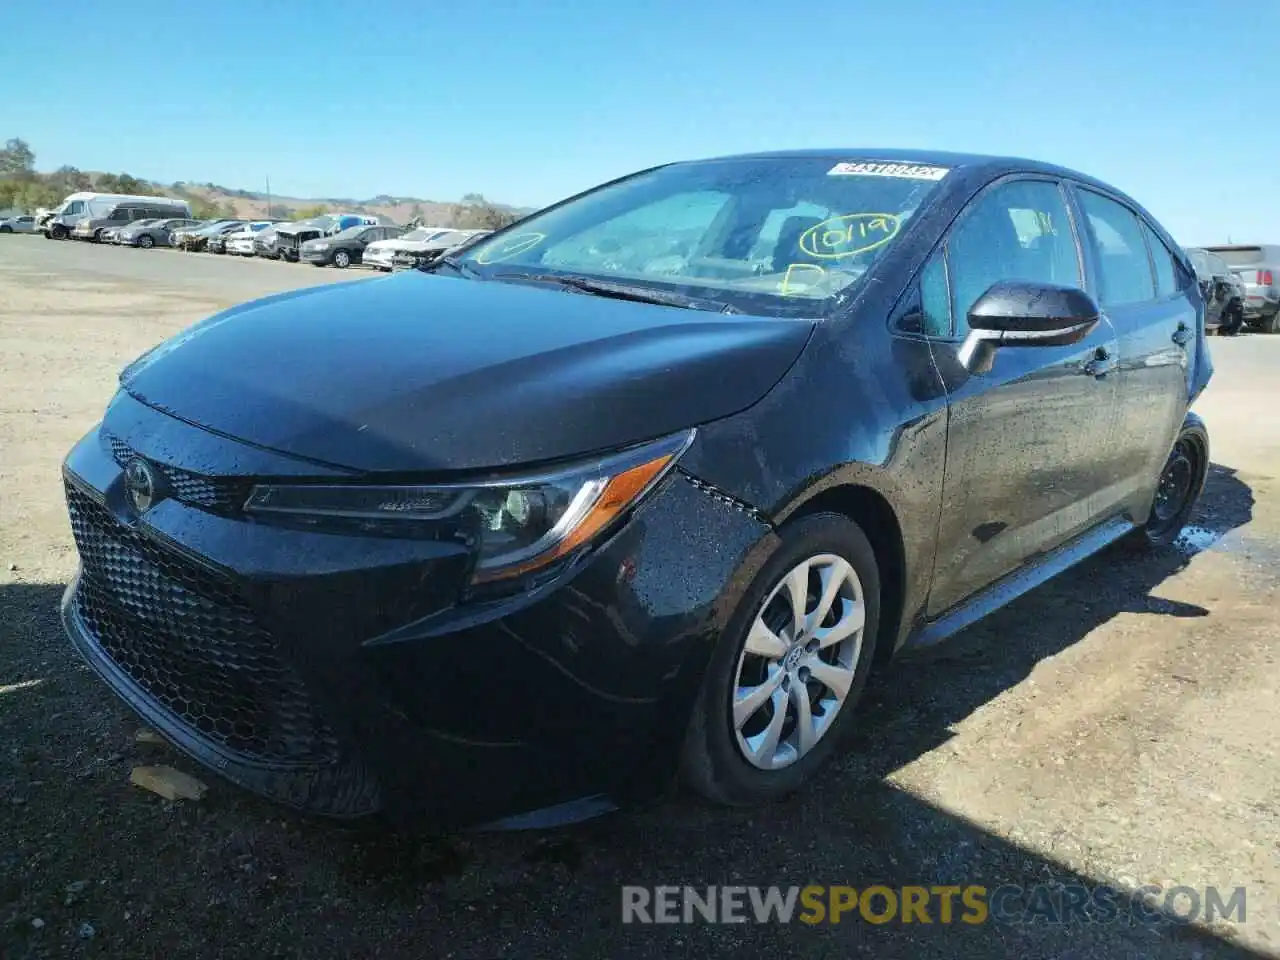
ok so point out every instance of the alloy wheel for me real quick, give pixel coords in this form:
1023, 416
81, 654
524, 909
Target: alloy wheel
797, 665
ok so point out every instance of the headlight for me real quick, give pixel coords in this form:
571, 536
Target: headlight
319, 246
514, 525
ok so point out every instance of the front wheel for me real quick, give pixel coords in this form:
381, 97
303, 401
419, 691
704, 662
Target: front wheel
783, 681
146, 242
341, 259
58, 232
6, 229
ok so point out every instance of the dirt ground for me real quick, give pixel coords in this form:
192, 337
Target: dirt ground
1121, 725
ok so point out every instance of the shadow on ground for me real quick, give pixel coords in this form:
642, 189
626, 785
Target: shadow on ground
231, 875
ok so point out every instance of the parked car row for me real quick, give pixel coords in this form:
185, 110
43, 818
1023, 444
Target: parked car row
339, 239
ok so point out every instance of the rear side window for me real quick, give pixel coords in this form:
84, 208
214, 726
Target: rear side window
1120, 250
1167, 283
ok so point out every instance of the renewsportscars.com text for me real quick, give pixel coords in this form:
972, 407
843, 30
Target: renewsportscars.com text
970, 904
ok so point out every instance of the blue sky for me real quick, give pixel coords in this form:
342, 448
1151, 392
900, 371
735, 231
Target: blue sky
1172, 101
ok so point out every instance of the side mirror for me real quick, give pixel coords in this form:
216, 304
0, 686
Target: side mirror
1019, 313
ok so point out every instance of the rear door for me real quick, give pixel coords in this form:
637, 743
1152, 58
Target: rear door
1028, 442
1151, 301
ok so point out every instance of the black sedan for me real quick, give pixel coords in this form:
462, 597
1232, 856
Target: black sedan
643, 485
345, 248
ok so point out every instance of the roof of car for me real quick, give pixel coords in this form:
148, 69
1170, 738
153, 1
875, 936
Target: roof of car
939, 158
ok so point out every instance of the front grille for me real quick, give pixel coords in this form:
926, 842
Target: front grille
186, 636
215, 494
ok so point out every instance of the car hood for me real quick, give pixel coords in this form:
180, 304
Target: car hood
417, 372
397, 244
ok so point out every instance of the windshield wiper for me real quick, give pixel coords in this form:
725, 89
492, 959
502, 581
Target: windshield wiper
463, 269
624, 291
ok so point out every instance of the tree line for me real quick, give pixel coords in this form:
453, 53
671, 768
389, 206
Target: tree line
23, 188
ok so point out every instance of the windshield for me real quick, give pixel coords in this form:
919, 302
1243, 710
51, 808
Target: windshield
422, 233
767, 235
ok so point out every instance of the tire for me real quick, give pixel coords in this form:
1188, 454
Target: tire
341, 259
6, 229
714, 760
1178, 487
146, 241
58, 232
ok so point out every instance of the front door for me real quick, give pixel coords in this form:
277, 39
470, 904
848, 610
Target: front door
1147, 297
1027, 465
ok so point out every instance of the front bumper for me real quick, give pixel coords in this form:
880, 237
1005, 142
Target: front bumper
316, 256
346, 674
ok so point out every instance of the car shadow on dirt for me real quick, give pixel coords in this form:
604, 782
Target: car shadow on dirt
232, 873
935, 689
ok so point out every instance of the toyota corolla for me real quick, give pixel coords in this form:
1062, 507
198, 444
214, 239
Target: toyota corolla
641, 487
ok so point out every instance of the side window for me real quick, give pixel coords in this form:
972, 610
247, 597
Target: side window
1166, 271
927, 307
935, 303
1017, 231
1120, 250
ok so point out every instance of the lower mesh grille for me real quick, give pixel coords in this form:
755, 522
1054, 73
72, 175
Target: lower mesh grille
185, 635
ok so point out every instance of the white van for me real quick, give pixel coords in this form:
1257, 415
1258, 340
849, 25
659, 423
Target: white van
60, 221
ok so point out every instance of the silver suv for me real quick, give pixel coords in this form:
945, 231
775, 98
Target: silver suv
1259, 267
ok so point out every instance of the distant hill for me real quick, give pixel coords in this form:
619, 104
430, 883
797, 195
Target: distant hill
251, 204
22, 187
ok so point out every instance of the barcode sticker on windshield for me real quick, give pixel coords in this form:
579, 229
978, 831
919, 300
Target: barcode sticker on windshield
908, 171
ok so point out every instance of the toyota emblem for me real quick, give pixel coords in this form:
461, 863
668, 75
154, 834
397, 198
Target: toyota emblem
140, 482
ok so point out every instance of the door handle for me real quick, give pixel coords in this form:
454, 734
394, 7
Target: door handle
1103, 362
1182, 336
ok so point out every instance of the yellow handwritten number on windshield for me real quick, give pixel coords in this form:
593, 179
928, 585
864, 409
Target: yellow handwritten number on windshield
849, 235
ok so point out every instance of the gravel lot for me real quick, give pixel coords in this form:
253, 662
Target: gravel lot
1118, 725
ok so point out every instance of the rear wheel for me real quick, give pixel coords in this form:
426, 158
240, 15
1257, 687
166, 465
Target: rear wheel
146, 240
1179, 486
782, 683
